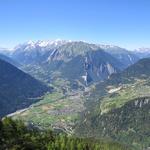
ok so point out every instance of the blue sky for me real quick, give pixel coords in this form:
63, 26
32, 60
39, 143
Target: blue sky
119, 22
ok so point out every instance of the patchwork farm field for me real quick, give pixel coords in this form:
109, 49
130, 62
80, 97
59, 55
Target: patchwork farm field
55, 111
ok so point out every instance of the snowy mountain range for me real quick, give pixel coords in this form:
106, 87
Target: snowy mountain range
75, 60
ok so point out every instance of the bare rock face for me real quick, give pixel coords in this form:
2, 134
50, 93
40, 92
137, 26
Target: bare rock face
97, 67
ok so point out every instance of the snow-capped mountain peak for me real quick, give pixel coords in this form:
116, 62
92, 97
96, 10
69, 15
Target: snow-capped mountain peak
43, 44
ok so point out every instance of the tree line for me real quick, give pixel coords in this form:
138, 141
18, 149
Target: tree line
15, 135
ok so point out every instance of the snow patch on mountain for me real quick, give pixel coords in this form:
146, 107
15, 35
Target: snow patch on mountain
46, 44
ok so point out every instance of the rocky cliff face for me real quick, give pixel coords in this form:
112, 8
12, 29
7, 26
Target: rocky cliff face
98, 69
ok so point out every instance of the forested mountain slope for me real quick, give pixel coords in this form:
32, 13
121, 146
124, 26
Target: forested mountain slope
17, 89
119, 108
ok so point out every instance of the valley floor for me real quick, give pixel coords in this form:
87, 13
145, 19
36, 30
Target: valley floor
55, 110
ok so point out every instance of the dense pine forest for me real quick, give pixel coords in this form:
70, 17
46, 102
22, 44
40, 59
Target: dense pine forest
14, 135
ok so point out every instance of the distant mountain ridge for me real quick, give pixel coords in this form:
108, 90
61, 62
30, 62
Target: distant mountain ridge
123, 55
47, 45
51, 59
90, 61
